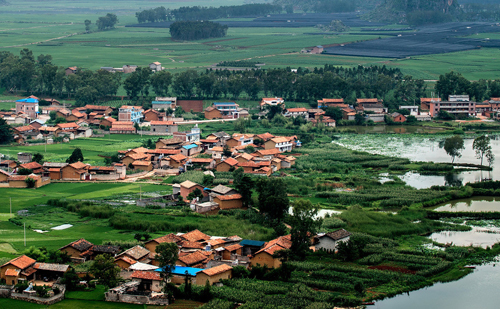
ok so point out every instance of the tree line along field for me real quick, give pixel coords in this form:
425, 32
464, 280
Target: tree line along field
276, 47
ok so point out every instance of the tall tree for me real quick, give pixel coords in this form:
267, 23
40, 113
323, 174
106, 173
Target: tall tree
160, 81
6, 135
244, 185
304, 224
454, 146
105, 270
87, 25
167, 254
273, 200
481, 146
76, 156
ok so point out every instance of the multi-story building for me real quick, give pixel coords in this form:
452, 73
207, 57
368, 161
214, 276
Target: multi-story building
164, 103
130, 113
457, 105
272, 102
28, 106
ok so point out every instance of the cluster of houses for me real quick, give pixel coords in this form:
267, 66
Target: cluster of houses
201, 258
128, 68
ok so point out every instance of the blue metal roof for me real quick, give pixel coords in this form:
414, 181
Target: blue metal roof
162, 102
181, 270
190, 146
28, 100
255, 243
226, 103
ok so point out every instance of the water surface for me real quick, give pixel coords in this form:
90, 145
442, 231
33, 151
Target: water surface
473, 204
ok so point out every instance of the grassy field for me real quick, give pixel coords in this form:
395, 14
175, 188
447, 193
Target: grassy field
58, 26
91, 148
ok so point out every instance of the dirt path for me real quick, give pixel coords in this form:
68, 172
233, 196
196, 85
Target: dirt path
48, 40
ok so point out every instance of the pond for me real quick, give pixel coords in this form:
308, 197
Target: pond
476, 290
419, 181
421, 148
473, 204
395, 129
321, 213
477, 237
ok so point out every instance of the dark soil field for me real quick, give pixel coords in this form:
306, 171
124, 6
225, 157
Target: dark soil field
286, 21
433, 39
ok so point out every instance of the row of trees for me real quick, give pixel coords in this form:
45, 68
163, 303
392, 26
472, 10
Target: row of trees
454, 83
152, 15
455, 145
206, 13
197, 30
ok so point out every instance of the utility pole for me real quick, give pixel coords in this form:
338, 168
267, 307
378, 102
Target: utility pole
10, 206
25, 234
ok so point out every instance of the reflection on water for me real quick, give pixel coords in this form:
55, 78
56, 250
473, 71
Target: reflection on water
477, 237
474, 204
476, 290
321, 213
419, 181
422, 149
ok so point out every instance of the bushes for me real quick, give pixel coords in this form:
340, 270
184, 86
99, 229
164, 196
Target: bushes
84, 209
194, 176
436, 167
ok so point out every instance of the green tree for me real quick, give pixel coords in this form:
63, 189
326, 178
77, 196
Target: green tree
167, 254
273, 200
160, 82
76, 156
70, 279
304, 224
359, 119
334, 113
244, 185
87, 24
196, 193
107, 22
38, 157
411, 119
105, 270
6, 131
454, 146
481, 146
24, 171
452, 83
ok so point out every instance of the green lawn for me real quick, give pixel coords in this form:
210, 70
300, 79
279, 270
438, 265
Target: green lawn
97, 294
91, 148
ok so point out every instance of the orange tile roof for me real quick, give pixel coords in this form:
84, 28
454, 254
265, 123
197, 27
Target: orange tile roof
428, 100
12, 272
217, 270
191, 245
331, 101
137, 156
165, 151
31, 165
195, 235
147, 275
371, 100
229, 197
78, 165
162, 123
233, 247
25, 128
167, 238
126, 259
96, 107
21, 262
267, 152
123, 123
297, 110
67, 125
280, 243
217, 148
201, 160
178, 157
216, 241
23, 177
230, 161
140, 150
141, 163
193, 258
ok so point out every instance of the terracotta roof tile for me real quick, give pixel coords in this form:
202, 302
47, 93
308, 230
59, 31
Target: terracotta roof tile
148, 275
80, 245
167, 238
191, 245
230, 161
162, 123
233, 247
338, 234
136, 252
126, 259
229, 197
195, 235
215, 242
31, 165
12, 272
21, 262
178, 157
217, 270
193, 258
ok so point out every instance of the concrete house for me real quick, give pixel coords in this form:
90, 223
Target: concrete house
271, 102
164, 103
330, 241
29, 106
283, 144
296, 112
163, 126
130, 113
214, 275
155, 66
149, 280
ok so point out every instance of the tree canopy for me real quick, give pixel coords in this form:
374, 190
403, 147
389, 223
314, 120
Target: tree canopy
197, 30
107, 22
454, 146
105, 270
6, 135
482, 147
76, 156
